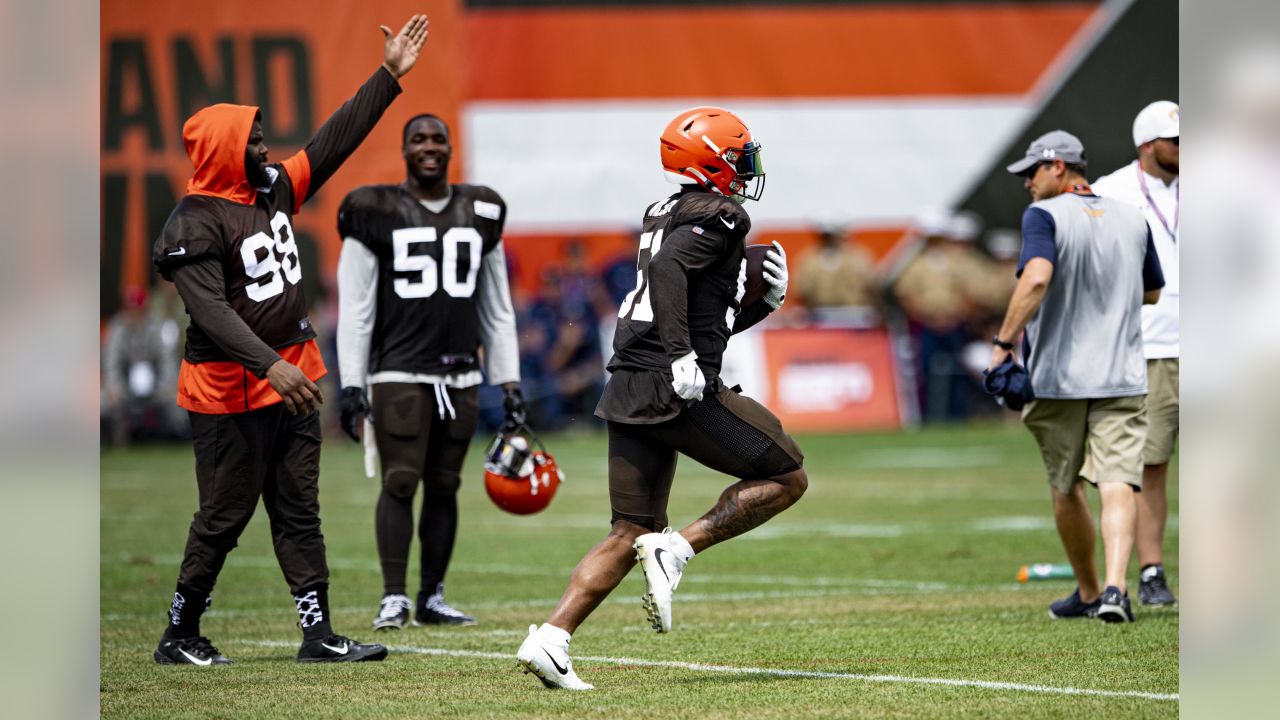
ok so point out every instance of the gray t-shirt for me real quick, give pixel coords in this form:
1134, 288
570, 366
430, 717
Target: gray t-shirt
1085, 341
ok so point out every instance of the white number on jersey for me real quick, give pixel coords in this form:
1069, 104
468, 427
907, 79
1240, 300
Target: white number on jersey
284, 268
636, 304
430, 276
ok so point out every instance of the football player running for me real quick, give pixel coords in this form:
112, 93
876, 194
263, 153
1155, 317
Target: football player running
422, 283
251, 361
665, 396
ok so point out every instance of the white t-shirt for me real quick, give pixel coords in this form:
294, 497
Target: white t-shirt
1159, 321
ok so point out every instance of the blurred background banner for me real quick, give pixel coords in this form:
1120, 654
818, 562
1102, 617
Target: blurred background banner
886, 127
870, 113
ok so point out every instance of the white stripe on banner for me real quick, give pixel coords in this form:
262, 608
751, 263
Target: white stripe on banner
781, 672
566, 166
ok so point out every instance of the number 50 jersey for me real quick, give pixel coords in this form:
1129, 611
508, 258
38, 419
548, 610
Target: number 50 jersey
427, 321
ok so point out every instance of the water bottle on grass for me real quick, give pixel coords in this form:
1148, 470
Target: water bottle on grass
1045, 571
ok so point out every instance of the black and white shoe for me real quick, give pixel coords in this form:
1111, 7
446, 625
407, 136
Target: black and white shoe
1114, 607
1152, 589
189, 651
337, 648
433, 610
393, 613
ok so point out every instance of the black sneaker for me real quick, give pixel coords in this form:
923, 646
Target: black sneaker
433, 610
1114, 607
1152, 590
337, 648
393, 614
1073, 607
189, 651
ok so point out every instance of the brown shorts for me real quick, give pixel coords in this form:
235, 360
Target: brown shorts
1099, 440
1162, 411
419, 438
727, 432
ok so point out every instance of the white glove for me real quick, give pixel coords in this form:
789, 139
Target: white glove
775, 273
688, 381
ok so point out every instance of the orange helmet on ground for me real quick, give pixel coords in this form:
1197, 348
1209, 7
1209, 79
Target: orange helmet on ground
713, 148
520, 479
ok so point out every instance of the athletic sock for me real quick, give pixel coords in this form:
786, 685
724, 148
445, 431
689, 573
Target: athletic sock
681, 547
553, 634
185, 611
313, 612
437, 530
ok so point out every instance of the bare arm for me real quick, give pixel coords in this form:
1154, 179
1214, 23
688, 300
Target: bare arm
1026, 300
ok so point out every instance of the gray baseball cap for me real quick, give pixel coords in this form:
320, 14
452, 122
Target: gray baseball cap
1055, 145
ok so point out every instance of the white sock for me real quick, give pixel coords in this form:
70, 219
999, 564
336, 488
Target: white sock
681, 547
554, 634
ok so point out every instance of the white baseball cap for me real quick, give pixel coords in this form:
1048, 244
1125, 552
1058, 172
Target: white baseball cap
1160, 119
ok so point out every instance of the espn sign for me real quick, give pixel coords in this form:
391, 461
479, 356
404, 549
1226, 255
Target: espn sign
832, 379
823, 387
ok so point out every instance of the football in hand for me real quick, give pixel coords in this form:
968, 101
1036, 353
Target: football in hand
756, 287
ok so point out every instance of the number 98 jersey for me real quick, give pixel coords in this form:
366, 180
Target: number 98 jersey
429, 264
252, 238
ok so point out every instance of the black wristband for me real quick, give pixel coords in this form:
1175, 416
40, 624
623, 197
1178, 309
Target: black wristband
1001, 343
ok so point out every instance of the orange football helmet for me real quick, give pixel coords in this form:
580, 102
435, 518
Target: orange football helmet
712, 147
520, 479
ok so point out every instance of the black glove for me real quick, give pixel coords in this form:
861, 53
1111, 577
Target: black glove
513, 404
354, 406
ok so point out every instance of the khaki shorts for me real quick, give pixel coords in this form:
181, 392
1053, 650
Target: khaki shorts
1098, 440
1162, 410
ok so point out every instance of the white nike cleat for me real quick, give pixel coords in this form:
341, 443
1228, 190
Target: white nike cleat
662, 570
549, 662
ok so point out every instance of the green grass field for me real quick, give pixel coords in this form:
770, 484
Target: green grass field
888, 591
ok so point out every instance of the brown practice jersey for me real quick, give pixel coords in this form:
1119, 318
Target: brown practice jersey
259, 256
226, 227
427, 320
690, 276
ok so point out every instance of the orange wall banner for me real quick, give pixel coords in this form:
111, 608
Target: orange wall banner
831, 380
296, 60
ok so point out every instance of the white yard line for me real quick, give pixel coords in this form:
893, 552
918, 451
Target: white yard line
882, 584
782, 672
872, 588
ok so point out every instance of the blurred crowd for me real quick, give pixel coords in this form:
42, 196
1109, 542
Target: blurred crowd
941, 290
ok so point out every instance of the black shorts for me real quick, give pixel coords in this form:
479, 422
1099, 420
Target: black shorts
724, 431
422, 435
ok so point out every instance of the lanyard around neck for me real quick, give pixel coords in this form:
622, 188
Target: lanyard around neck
1177, 206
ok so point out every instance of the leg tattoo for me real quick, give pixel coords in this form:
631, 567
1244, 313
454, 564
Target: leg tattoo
748, 503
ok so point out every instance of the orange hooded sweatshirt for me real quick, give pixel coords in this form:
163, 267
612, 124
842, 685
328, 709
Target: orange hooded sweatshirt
216, 138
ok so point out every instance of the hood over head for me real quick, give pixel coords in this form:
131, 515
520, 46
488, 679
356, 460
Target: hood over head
216, 138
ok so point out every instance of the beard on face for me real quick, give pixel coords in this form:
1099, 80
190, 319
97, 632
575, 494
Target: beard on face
1166, 159
255, 172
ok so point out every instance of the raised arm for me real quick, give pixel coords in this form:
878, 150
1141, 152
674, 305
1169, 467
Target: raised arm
348, 126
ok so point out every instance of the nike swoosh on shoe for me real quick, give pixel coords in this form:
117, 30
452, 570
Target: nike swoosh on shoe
195, 660
561, 670
658, 559
341, 651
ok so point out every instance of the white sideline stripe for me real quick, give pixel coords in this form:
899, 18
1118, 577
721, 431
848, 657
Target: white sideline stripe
125, 558
781, 672
617, 599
